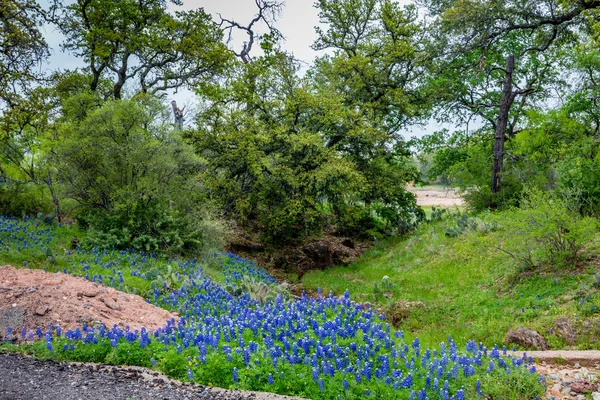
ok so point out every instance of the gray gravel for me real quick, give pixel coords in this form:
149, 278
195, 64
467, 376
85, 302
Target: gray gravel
26, 378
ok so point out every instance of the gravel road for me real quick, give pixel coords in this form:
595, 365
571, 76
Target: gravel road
25, 378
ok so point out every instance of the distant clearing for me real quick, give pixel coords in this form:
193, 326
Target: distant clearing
437, 196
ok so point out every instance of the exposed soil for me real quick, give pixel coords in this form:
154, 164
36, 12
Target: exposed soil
25, 378
431, 196
299, 258
34, 298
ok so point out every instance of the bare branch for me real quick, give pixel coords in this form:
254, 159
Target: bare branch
268, 13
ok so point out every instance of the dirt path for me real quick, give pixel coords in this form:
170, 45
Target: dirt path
25, 378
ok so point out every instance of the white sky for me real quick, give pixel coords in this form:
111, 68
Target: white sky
297, 22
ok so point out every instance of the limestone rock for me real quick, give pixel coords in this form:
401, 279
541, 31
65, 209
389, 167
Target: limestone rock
584, 386
400, 310
42, 310
110, 303
319, 254
527, 338
564, 328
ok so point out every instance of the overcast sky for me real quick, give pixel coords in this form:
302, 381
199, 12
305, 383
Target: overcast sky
297, 22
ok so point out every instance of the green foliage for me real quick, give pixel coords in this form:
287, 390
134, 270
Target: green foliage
437, 214
463, 224
291, 156
170, 49
22, 48
163, 280
359, 222
135, 178
578, 175
386, 289
278, 167
258, 290
484, 302
551, 231
19, 200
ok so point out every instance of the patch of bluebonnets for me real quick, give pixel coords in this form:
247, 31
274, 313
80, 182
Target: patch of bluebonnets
335, 340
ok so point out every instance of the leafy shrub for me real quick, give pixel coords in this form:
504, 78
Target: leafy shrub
358, 222
19, 200
481, 198
437, 214
135, 179
579, 177
548, 230
465, 224
258, 290
150, 228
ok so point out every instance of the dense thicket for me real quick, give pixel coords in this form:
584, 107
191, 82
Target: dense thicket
290, 152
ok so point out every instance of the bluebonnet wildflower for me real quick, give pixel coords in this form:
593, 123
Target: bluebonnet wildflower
333, 338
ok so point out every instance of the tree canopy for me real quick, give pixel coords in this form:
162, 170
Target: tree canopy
286, 150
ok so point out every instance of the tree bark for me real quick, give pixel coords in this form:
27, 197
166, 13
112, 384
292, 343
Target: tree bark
122, 75
508, 96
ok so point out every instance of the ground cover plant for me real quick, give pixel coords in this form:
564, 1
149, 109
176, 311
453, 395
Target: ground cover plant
322, 347
458, 268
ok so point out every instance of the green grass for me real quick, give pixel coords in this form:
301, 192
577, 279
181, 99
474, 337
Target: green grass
469, 289
217, 368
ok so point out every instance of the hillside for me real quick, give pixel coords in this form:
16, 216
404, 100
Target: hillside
242, 330
431, 285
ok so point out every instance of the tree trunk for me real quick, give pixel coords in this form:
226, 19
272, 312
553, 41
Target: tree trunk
502, 122
122, 76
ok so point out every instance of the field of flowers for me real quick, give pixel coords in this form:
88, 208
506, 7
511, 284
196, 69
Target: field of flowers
321, 348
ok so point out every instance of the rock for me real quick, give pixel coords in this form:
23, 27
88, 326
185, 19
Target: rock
42, 310
88, 293
527, 338
567, 391
400, 310
342, 256
348, 243
84, 319
319, 253
564, 329
11, 317
584, 386
110, 303
555, 390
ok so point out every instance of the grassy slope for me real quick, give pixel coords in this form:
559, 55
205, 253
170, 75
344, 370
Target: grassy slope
469, 289
217, 368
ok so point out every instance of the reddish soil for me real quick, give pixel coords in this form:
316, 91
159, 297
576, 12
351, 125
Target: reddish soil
33, 298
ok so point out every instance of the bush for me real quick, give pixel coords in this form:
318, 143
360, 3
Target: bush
358, 222
19, 200
578, 177
135, 179
151, 228
548, 230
